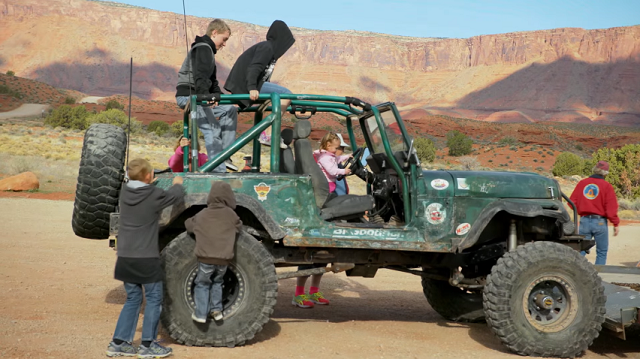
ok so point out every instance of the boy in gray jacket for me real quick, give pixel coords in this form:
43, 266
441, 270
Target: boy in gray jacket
138, 264
215, 229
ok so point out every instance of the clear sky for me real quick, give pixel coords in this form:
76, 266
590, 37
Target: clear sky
419, 18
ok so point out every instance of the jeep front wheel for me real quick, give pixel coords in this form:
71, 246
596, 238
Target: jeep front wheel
544, 299
249, 294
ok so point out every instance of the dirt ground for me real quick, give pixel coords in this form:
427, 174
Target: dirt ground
59, 300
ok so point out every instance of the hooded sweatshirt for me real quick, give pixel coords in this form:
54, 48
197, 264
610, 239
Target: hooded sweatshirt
138, 250
254, 66
203, 78
216, 226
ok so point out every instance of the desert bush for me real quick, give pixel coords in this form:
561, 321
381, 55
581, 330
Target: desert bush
113, 104
69, 100
160, 128
4, 89
68, 117
579, 147
425, 148
116, 118
469, 163
627, 214
176, 129
568, 164
11, 73
459, 144
624, 169
508, 140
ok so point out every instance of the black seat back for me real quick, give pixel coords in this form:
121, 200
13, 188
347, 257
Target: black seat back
306, 164
287, 163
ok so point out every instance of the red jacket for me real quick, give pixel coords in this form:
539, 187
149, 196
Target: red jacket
594, 195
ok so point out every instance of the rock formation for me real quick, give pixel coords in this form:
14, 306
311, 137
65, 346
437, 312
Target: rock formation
567, 75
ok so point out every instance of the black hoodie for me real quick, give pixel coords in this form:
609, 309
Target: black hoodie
216, 226
248, 73
204, 79
138, 250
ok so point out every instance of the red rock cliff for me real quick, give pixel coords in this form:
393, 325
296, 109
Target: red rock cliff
558, 75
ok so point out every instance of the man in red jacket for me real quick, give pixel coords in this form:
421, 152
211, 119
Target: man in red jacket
596, 202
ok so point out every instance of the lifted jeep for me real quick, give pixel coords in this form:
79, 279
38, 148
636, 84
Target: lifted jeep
494, 246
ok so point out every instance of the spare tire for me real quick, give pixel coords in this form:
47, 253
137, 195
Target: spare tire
99, 180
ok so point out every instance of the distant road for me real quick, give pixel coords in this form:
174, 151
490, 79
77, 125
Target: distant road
91, 99
26, 110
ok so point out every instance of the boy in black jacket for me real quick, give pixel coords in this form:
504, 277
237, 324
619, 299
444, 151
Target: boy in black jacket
252, 71
138, 263
218, 134
215, 229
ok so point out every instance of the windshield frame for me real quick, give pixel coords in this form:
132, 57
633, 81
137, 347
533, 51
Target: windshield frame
388, 115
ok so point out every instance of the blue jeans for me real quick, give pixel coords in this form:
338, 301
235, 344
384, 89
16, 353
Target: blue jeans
270, 87
128, 320
218, 134
208, 289
596, 228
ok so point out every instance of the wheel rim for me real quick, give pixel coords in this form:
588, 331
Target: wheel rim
233, 290
550, 304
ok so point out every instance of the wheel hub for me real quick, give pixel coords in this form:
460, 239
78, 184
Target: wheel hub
550, 303
233, 290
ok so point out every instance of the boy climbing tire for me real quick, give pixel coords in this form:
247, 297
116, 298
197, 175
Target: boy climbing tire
99, 180
249, 294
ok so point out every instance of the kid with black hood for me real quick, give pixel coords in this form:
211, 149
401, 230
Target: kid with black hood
138, 264
215, 229
252, 71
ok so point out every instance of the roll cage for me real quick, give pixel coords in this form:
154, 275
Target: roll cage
303, 107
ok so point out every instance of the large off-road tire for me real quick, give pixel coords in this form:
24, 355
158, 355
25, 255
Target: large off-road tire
249, 294
99, 180
544, 299
453, 303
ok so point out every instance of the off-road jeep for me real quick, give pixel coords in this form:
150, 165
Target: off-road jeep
494, 246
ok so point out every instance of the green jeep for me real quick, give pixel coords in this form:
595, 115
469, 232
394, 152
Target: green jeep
488, 246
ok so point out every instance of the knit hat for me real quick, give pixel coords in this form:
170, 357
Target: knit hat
603, 165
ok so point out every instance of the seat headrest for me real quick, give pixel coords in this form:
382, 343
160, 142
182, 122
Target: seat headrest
302, 129
287, 136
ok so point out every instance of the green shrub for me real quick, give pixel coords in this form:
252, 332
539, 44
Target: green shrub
624, 169
68, 117
116, 118
69, 100
425, 148
176, 129
4, 89
113, 104
11, 73
159, 127
508, 140
568, 164
459, 144
579, 147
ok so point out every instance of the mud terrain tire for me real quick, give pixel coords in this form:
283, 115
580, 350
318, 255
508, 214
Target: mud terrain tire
453, 303
249, 294
99, 180
544, 299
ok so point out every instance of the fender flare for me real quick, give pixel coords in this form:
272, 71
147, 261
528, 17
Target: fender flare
252, 204
516, 208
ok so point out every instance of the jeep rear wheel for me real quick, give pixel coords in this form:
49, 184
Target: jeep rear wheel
249, 294
544, 299
453, 303
99, 180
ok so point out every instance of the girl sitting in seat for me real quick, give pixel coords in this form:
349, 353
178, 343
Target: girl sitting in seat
328, 161
176, 161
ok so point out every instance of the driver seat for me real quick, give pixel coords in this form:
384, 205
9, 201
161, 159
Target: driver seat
331, 206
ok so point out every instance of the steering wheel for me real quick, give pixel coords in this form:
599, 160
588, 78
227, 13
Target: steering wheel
352, 162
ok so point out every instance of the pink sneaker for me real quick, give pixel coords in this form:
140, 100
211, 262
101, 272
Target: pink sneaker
302, 301
265, 139
318, 298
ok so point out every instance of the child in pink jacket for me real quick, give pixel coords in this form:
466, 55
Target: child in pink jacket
328, 161
176, 161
